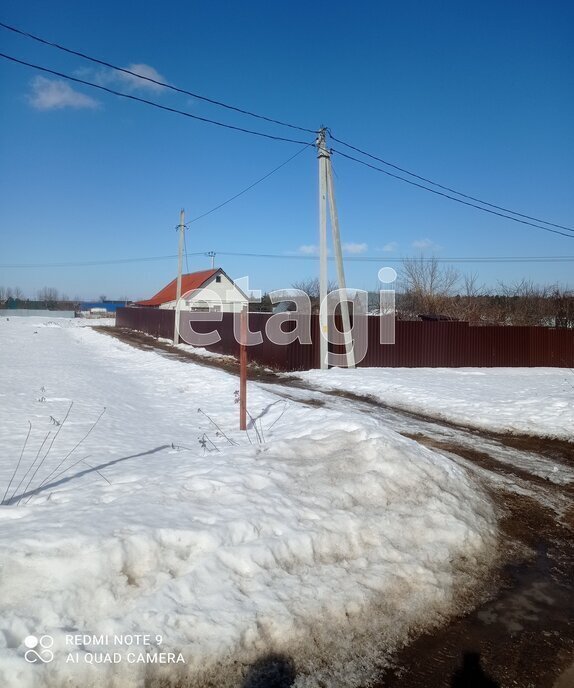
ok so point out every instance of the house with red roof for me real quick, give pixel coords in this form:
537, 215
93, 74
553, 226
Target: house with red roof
204, 291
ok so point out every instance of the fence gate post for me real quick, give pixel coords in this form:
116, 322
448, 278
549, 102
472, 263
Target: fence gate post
243, 371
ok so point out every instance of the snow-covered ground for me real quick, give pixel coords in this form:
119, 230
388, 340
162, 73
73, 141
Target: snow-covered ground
318, 536
532, 401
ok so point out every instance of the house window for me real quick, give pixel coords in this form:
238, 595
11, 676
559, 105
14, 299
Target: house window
200, 307
218, 278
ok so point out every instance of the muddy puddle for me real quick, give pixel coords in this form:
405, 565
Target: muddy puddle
523, 636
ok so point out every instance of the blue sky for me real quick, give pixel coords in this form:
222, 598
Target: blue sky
477, 96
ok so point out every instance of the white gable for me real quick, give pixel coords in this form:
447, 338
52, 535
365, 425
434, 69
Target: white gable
218, 293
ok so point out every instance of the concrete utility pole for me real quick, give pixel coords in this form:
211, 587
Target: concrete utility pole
211, 254
349, 350
179, 268
323, 155
327, 195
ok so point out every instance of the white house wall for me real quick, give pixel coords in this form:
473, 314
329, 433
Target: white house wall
222, 296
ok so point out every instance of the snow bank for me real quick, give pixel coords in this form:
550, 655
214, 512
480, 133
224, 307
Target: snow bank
55, 321
531, 401
328, 543
197, 350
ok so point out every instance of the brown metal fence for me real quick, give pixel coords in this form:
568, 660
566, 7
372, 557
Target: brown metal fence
155, 321
417, 343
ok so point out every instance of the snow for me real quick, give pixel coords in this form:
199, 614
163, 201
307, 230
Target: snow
328, 542
531, 401
197, 350
205, 353
549, 467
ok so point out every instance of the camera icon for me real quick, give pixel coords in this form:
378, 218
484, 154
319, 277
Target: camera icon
39, 649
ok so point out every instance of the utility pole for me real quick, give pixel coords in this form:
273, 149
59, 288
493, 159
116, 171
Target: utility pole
349, 349
323, 156
179, 268
211, 254
327, 196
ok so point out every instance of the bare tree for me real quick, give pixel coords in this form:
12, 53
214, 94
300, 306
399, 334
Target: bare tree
562, 307
526, 303
469, 305
311, 287
48, 294
426, 287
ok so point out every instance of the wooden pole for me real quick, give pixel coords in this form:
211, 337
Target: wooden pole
243, 371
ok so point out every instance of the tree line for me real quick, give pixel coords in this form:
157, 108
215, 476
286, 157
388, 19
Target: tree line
47, 297
427, 289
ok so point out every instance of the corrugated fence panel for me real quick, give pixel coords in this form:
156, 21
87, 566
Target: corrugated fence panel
270, 353
498, 346
435, 344
481, 350
155, 321
304, 356
538, 346
417, 344
196, 327
560, 348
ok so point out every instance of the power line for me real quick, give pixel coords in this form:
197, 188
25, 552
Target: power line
256, 133
385, 259
288, 256
452, 198
447, 188
150, 102
163, 84
88, 263
277, 138
229, 200
268, 119
217, 207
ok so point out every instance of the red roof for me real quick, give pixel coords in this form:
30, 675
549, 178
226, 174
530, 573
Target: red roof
194, 280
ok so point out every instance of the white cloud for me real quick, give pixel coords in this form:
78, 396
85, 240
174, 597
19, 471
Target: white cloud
143, 70
424, 244
354, 248
55, 94
390, 247
309, 250
130, 81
